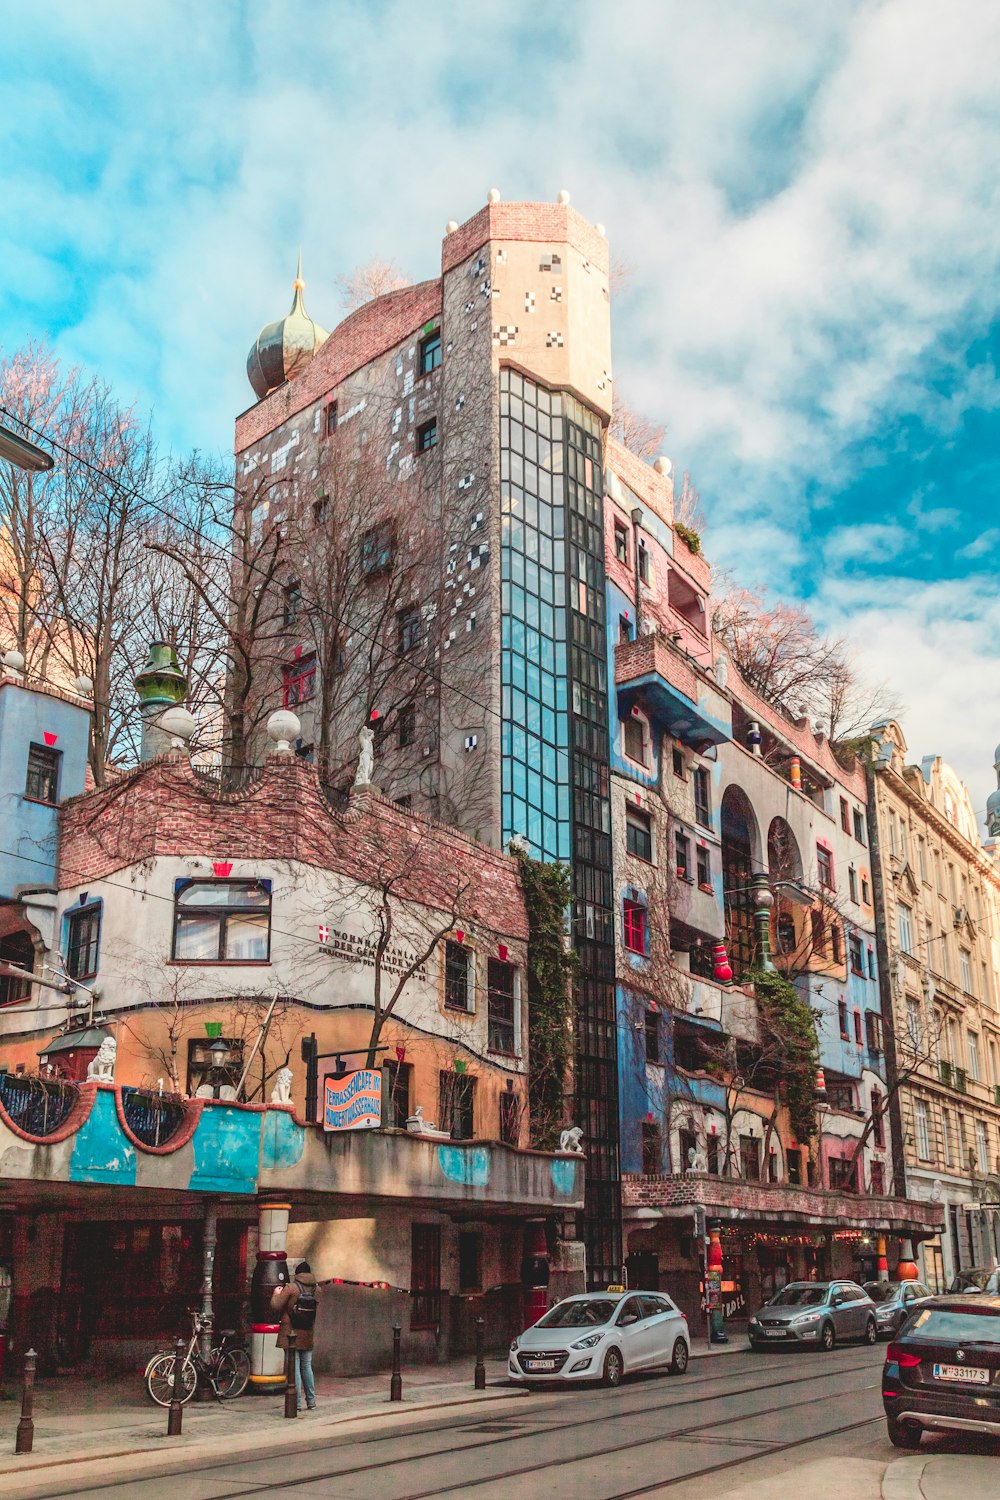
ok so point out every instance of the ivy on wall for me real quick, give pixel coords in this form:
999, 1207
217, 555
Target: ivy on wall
548, 891
788, 1025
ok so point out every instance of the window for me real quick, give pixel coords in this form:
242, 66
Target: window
634, 927
905, 929
973, 1040
652, 1148
817, 924
210, 1071
704, 861
871, 961
842, 1174
331, 419
652, 1031
702, 797
873, 1031
639, 833
750, 1158
922, 856
824, 866
836, 942
712, 1152
682, 848
923, 1134
793, 1161
458, 976
456, 1104
878, 1119
222, 921
321, 510
83, 938
376, 549
903, 835
470, 1260
913, 1022
298, 682
621, 542
865, 899
42, 781
407, 724
994, 1075
842, 1014
430, 352
425, 1276
634, 739
852, 883
845, 815
396, 1077
408, 629
965, 970
946, 1136
857, 1028
16, 948
859, 826
982, 1147
501, 993
427, 435
878, 1179
292, 603
625, 631
857, 954
510, 1116
678, 761
643, 557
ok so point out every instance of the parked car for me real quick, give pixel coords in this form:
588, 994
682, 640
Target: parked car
894, 1301
815, 1312
977, 1279
942, 1371
601, 1336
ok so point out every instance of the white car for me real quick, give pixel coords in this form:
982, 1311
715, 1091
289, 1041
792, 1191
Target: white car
601, 1336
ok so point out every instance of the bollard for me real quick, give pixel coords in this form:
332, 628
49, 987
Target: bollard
480, 1382
291, 1392
176, 1405
396, 1383
26, 1427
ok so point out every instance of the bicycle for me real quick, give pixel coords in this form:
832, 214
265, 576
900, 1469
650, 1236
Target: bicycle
226, 1370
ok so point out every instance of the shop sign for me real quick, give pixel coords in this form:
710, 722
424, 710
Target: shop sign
713, 1288
353, 1102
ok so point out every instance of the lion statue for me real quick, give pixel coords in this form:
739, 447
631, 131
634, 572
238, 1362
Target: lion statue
282, 1091
572, 1140
102, 1068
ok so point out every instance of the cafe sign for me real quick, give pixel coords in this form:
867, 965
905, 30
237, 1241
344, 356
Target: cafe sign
353, 1102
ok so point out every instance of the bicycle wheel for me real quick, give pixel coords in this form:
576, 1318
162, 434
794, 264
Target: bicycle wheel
231, 1374
160, 1380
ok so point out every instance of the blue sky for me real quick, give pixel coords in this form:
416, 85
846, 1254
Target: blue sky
808, 197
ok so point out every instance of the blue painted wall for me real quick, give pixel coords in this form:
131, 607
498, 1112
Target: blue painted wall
29, 828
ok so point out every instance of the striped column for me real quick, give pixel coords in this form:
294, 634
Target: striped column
266, 1359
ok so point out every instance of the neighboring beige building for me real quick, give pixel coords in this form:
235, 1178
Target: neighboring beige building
938, 893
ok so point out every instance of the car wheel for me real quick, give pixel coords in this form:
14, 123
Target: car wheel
827, 1337
614, 1368
871, 1332
903, 1434
679, 1358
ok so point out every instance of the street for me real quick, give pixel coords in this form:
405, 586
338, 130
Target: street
730, 1423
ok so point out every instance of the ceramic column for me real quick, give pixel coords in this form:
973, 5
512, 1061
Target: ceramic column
271, 1270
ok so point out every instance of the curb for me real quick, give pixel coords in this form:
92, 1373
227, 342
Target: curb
901, 1480
43, 1477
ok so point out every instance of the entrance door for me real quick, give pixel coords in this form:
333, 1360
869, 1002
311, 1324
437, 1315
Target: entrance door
642, 1267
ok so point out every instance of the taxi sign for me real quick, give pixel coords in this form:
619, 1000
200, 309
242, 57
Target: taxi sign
616, 1288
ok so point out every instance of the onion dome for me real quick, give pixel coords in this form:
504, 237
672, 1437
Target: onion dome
284, 348
993, 801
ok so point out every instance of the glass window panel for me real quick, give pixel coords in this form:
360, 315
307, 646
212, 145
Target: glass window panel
529, 509
531, 576
197, 938
519, 780
544, 518
223, 893
518, 671
531, 610
246, 937
547, 589
533, 718
531, 543
535, 827
516, 405
516, 567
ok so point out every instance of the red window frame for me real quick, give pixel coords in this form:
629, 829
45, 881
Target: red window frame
298, 682
634, 927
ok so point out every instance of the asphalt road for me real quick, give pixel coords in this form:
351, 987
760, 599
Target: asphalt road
727, 1422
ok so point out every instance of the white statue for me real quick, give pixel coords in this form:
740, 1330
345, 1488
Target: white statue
282, 1091
697, 1160
417, 1125
572, 1140
518, 844
366, 757
102, 1068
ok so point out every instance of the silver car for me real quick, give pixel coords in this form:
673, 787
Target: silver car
815, 1312
601, 1336
894, 1301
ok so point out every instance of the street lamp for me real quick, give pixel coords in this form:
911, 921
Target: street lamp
219, 1073
22, 454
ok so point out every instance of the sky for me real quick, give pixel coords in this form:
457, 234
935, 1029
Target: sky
805, 198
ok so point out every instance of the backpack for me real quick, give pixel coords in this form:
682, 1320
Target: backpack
302, 1315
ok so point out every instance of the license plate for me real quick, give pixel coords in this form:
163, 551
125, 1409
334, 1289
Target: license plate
540, 1364
959, 1372
774, 1333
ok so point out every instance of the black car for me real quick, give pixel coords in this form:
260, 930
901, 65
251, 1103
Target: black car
942, 1371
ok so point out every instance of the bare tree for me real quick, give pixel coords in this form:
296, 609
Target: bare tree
634, 431
373, 279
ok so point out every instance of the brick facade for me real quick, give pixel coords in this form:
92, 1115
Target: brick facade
735, 1198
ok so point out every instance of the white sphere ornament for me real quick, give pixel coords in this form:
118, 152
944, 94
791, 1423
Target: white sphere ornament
84, 687
493, 196
601, 231
178, 724
563, 197
14, 661
283, 729
451, 226
663, 465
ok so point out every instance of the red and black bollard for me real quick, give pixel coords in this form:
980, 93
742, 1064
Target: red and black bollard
480, 1379
176, 1404
26, 1427
291, 1393
396, 1383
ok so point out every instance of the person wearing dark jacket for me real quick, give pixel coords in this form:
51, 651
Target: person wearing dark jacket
296, 1302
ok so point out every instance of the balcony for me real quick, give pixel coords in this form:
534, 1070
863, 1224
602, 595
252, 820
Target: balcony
652, 672
734, 1198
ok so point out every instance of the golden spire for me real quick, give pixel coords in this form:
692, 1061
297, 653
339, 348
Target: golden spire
298, 283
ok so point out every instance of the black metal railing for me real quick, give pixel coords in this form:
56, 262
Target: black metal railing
37, 1106
228, 778
152, 1118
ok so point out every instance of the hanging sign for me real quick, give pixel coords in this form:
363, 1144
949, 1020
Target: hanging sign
353, 1102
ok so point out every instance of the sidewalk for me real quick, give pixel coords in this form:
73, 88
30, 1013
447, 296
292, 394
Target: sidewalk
83, 1427
943, 1476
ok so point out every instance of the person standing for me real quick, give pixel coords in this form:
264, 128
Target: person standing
297, 1302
